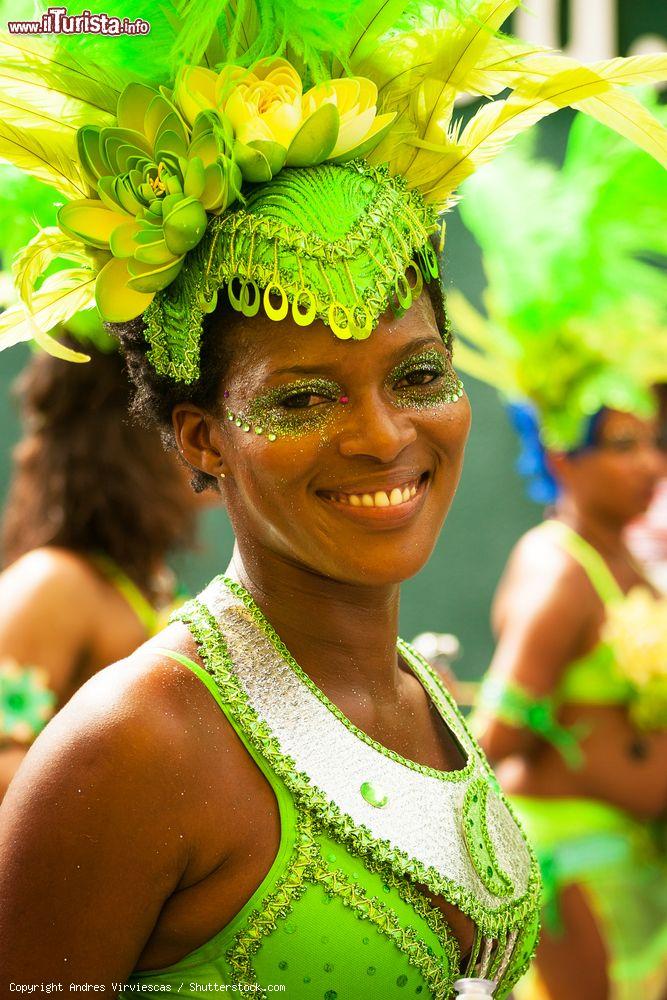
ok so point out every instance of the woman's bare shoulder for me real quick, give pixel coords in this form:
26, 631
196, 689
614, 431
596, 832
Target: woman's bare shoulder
129, 726
542, 578
49, 574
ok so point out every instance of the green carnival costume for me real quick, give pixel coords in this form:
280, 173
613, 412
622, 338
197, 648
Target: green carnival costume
582, 329
295, 158
340, 913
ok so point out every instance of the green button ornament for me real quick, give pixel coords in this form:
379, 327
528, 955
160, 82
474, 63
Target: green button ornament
374, 796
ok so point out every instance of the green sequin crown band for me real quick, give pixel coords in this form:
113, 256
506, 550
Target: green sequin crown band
335, 243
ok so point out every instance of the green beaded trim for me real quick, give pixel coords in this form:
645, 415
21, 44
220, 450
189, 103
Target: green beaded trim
307, 867
347, 282
215, 654
282, 650
478, 841
261, 922
406, 939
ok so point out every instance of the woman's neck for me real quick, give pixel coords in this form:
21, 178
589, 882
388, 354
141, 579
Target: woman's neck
605, 534
341, 634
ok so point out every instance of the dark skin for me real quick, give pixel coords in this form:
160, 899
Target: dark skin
138, 806
60, 613
547, 615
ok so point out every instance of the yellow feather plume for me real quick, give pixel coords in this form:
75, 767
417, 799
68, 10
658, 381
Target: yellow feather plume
44, 249
60, 297
420, 74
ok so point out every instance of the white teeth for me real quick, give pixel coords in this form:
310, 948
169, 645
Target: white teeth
381, 498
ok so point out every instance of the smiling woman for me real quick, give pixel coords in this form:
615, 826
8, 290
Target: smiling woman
287, 787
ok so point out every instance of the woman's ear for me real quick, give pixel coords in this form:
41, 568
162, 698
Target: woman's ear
198, 439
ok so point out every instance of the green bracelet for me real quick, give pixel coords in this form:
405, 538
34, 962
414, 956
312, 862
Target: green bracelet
516, 707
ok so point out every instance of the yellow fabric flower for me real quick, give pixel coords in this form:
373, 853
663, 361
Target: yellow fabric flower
195, 91
636, 630
355, 98
263, 104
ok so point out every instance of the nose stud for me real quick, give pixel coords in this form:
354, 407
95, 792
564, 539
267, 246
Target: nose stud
343, 399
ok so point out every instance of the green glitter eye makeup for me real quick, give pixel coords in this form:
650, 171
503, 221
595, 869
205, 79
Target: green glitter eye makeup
292, 410
424, 380
308, 405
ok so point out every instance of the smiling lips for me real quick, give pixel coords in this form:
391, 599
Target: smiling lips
392, 497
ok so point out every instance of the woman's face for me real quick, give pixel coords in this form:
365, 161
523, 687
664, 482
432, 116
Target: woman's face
354, 449
617, 477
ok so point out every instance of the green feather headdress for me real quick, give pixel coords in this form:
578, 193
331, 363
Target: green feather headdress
217, 151
576, 267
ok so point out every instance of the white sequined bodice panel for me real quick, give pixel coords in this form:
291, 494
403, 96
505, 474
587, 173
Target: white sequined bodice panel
415, 810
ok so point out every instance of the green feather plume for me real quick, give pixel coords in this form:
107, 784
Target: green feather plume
575, 261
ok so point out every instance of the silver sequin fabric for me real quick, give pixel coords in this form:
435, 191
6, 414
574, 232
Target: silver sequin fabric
423, 813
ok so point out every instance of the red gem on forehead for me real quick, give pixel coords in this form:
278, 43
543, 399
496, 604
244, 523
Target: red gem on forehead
343, 399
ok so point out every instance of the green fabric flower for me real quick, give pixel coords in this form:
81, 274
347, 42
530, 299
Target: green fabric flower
156, 181
26, 703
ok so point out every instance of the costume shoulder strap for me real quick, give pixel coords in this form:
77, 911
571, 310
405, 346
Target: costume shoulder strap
127, 588
590, 560
220, 678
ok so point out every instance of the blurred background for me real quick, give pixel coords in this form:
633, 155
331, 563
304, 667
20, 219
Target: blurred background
453, 593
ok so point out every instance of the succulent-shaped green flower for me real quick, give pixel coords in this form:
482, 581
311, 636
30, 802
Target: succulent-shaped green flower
26, 703
156, 179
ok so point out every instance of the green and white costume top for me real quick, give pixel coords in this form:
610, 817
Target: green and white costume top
342, 913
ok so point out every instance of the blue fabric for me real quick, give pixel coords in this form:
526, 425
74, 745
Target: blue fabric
532, 462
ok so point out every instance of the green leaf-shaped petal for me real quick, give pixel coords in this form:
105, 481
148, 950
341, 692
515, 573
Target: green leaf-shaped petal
152, 279
275, 153
116, 301
170, 146
205, 147
126, 196
213, 195
154, 254
158, 111
128, 156
88, 220
184, 226
173, 184
107, 192
147, 233
122, 241
133, 104
315, 139
172, 123
111, 139
90, 153
373, 138
170, 202
253, 162
195, 178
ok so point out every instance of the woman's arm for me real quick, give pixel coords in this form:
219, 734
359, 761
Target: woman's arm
94, 832
542, 615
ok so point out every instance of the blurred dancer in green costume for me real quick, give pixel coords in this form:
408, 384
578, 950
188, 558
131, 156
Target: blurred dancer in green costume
574, 709
94, 507
287, 788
